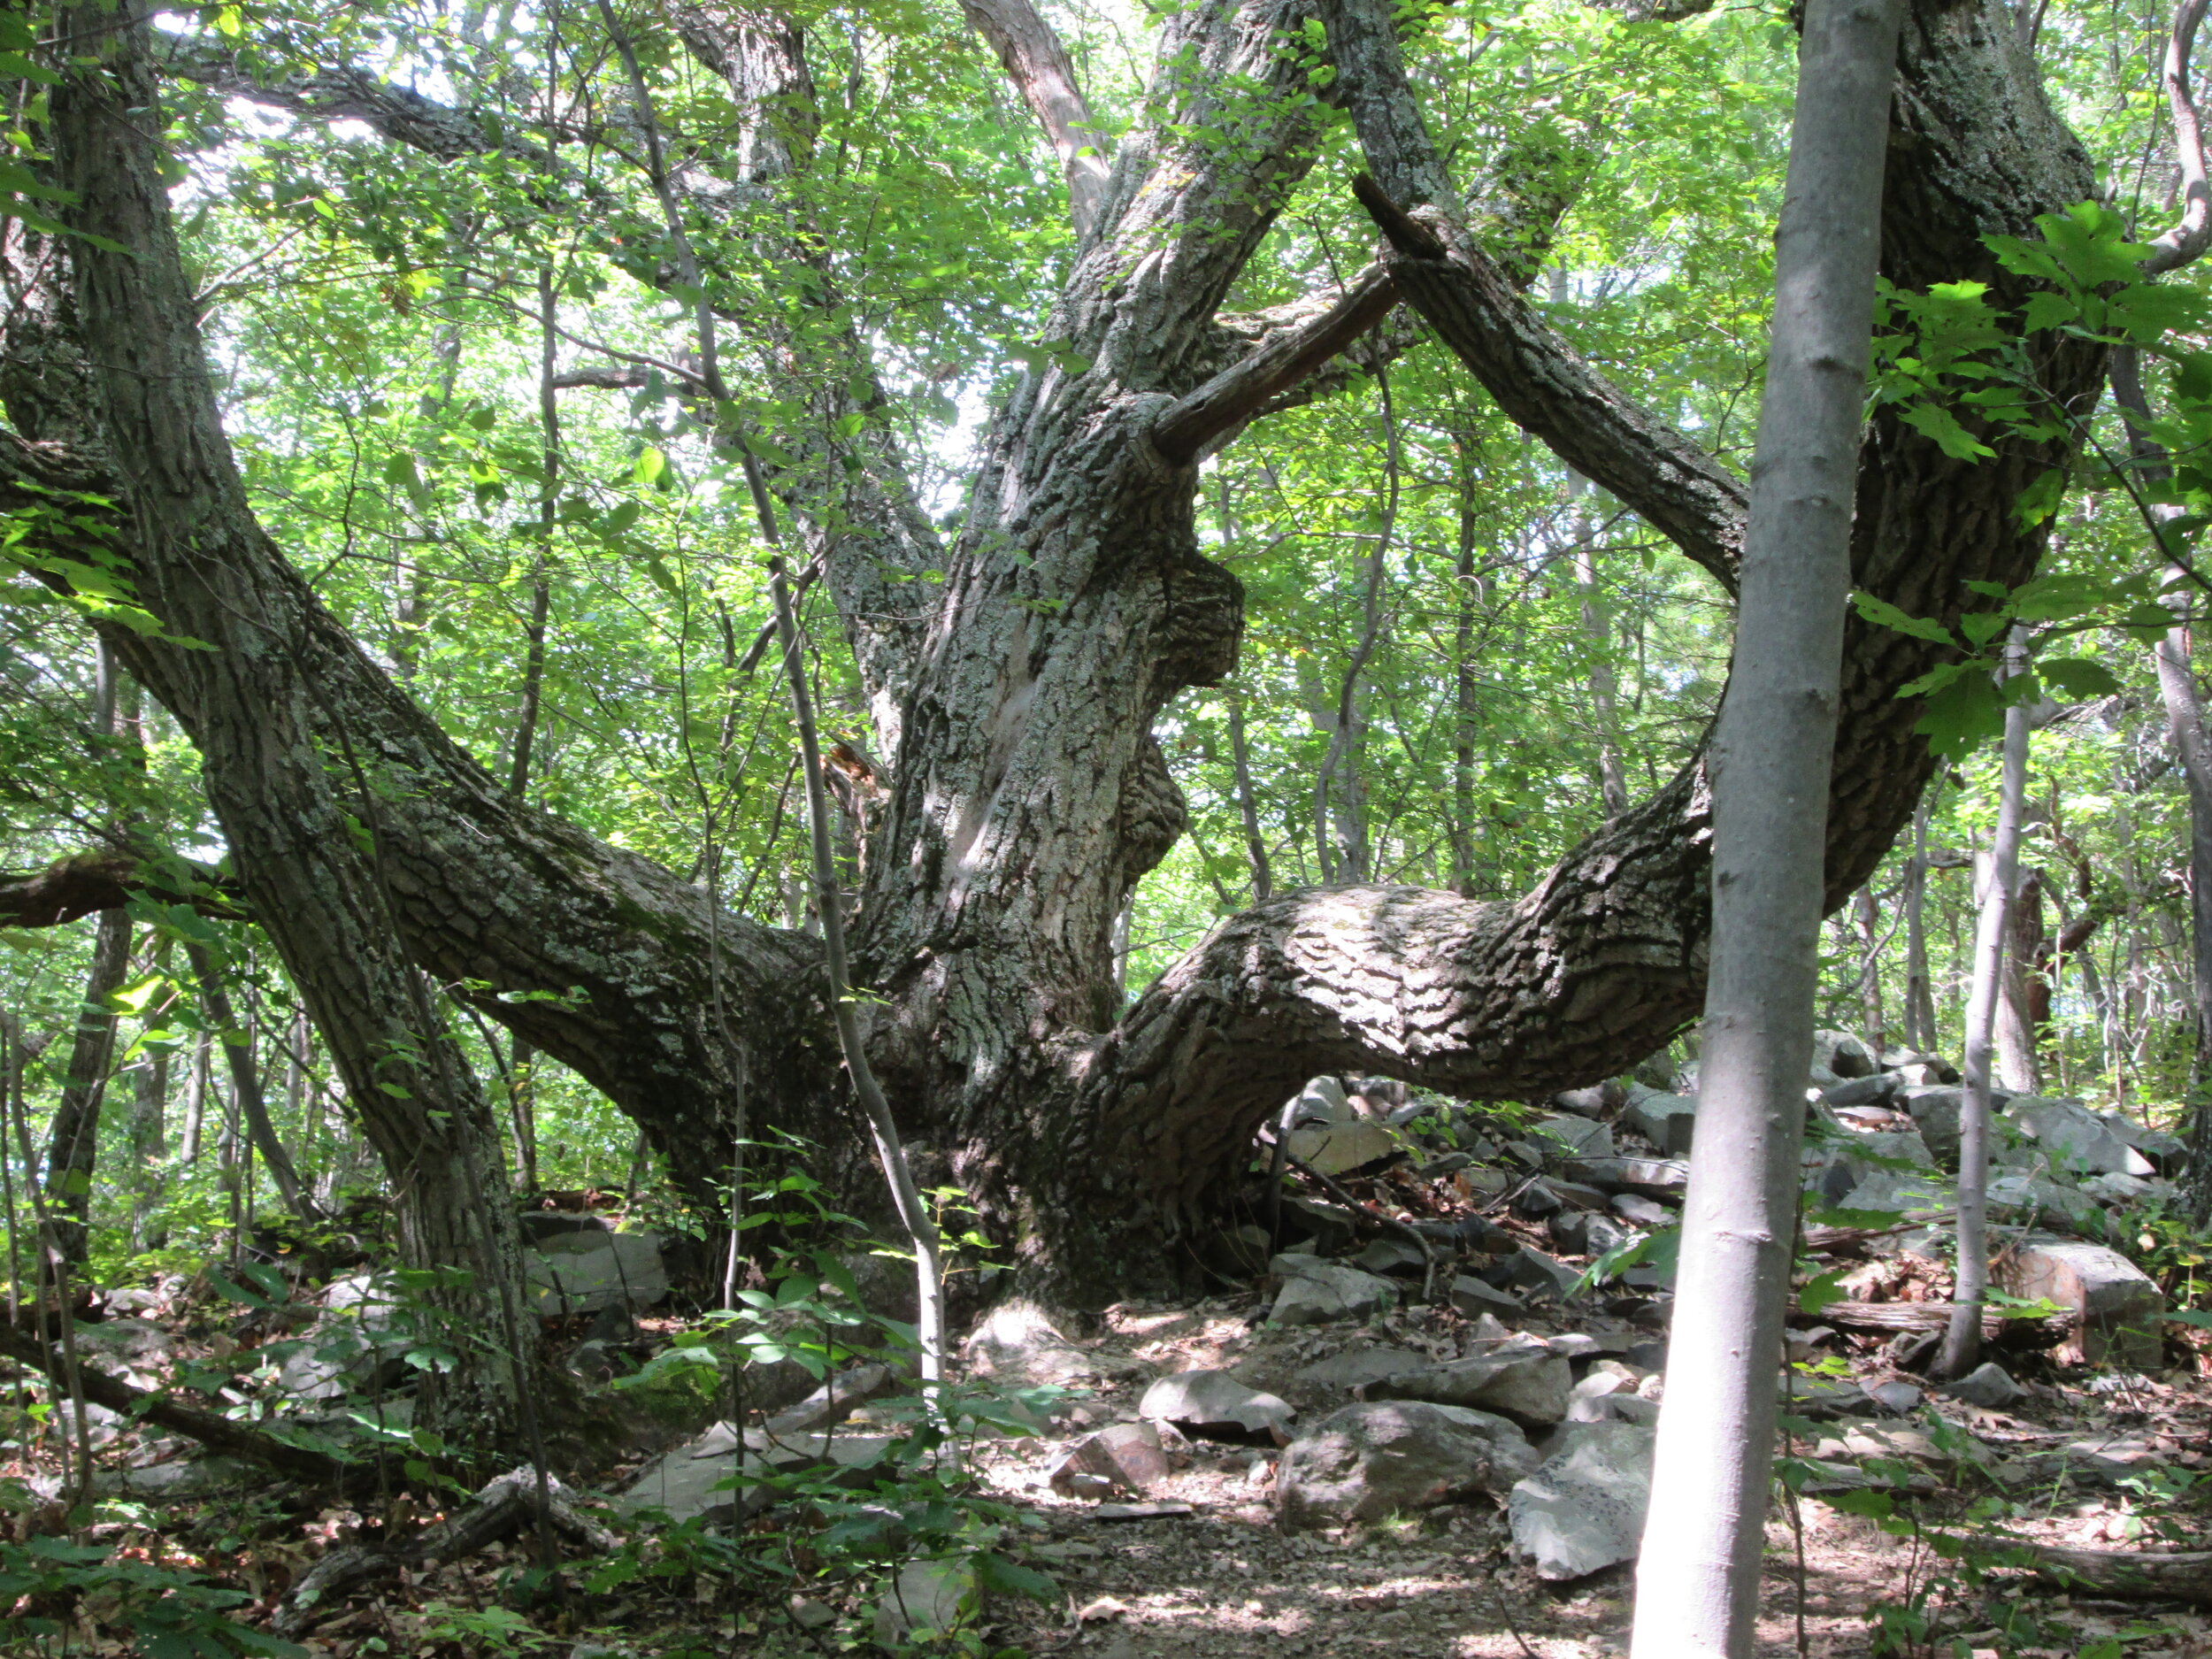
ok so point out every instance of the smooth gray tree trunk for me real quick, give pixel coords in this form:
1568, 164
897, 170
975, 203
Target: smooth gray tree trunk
1698, 1579
1962, 1341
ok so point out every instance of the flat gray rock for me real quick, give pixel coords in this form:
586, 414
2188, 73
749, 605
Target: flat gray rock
1583, 1510
1376, 1458
1213, 1403
1524, 1380
1316, 1292
585, 1271
1362, 1366
1988, 1384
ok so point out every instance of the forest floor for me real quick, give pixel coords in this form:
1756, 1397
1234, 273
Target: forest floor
1226, 1582
1202, 1567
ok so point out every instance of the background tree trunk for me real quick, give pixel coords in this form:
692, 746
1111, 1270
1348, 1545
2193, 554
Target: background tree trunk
1962, 1342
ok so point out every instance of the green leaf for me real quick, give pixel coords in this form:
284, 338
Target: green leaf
1823, 1291
994, 1572
2079, 678
1962, 715
1939, 424
1885, 615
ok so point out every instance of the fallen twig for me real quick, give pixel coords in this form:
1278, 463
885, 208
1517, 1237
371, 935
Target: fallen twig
502, 1507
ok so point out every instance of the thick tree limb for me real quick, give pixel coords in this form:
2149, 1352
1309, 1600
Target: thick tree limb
2190, 236
216, 1432
503, 1509
1041, 72
82, 883
1236, 395
1536, 377
1605, 959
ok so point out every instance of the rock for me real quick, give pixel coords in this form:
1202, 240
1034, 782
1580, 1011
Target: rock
2119, 1310
1577, 1137
2017, 1196
835, 1400
1237, 1252
185, 1480
1590, 1400
2115, 1188
1340, 1148
1583, 1510
1330, 1227
584, 1271
1213, 1405
927, 1597
1316, 1292
1473, 1298
1535, 1274
1126, 1454
1392, 1256
131, 1343
688, 1480
1937, 1112
1575, 1195
364, 1328
1842, 1053
1322, 1101
2168, 1152
1988, 1385
1594, 1102
1524, 1380
1871, 1152
1878, 1090
1361, 1367
1536, 1201
1377, 1457
2076, 1135
1645, 1212
1900, 1194
1898, 1397
1578, 1233
1644, 1175
1667, 1121
1016, 1342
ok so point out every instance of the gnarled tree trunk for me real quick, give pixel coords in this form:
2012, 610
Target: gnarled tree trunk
1013, 700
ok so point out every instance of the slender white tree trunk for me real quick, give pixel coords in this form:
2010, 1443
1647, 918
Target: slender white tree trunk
1962, 1343
1698, 1584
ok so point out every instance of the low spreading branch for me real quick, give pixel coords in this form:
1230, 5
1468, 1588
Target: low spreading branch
83, 883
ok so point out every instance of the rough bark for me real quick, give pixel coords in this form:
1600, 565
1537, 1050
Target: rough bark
304, 808
75, 1138
1013, 702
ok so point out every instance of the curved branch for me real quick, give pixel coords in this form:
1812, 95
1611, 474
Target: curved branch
1605, 958
2188, 239
1040, 68
1537, 377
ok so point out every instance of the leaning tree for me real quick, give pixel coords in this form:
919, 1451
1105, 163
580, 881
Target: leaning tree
1013, 672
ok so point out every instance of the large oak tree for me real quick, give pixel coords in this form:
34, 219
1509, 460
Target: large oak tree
1013, 693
